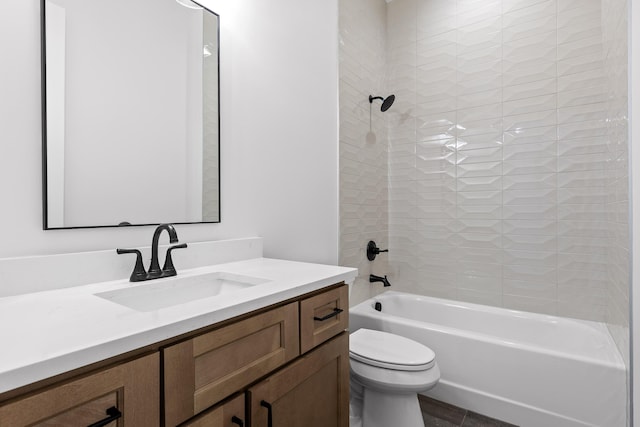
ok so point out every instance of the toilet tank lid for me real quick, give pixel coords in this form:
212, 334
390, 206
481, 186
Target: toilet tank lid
393, 351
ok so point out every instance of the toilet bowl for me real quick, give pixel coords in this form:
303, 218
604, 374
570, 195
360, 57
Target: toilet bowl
387, 373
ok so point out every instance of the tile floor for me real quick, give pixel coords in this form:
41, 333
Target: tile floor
440, 414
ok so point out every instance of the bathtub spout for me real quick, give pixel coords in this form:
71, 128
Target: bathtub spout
373, 278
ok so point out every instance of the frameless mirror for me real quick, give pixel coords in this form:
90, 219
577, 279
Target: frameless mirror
130, 113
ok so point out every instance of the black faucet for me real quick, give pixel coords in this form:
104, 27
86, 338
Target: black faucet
139, 274
154, 268
373, 278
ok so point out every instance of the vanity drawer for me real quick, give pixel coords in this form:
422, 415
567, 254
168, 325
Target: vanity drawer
323, 316
86, 414
131, 389
202, 371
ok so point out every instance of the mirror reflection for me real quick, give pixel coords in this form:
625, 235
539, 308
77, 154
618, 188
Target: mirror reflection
130, 113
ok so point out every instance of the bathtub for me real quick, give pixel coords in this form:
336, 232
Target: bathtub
528, 369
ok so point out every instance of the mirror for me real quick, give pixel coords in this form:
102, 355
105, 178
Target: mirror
130, 113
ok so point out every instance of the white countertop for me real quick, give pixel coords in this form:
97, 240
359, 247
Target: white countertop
47, 333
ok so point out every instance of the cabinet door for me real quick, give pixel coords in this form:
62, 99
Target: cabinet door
311, 392
131, 388
228, 414
203, 371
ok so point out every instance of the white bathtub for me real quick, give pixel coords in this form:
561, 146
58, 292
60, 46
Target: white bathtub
529, 369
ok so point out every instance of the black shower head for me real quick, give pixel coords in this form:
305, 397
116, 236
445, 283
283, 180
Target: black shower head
386, 102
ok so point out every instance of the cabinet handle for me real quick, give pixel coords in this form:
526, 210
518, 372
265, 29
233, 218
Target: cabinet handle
334, 313
237, 420
267, 405
113, 414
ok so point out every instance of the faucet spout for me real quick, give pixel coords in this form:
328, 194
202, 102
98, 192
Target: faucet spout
373, 278
154, 268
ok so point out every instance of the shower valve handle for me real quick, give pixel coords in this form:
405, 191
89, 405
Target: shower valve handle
373, 250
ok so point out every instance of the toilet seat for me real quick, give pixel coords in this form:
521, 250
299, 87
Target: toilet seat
389, 351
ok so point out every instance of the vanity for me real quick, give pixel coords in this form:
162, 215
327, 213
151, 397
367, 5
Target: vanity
267, 347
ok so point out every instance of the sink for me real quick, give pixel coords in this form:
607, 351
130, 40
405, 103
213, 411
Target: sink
163, 293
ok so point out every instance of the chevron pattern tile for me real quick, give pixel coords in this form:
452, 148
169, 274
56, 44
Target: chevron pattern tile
511, 117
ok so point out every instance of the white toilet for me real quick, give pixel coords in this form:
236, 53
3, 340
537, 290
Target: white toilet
387, 373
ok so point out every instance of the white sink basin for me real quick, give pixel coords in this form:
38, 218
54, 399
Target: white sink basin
163, 293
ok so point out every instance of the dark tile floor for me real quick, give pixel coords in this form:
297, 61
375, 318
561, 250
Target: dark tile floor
440, 414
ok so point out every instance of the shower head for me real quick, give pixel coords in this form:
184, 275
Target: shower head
386, 102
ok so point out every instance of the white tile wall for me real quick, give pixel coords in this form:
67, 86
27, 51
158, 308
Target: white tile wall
501, 153
211, 137
363, 140
616, 172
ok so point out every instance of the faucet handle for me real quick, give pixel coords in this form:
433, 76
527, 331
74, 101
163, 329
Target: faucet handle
373, 250
169, 269
139, 273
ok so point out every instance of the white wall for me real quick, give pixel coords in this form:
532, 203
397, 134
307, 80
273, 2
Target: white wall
279, 134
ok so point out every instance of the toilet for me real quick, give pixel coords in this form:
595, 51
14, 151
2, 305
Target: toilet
387, 373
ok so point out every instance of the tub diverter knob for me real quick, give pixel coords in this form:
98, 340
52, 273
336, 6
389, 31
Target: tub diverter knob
373, 250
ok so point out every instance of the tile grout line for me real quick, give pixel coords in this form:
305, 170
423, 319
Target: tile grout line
464, 418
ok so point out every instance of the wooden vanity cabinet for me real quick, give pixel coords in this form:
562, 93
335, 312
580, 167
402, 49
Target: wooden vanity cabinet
131, 389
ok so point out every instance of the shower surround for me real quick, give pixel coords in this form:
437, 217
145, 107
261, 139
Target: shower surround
507, 152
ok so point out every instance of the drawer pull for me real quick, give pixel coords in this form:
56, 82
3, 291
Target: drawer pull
334, 313
267, 405
113, 414
236, 420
